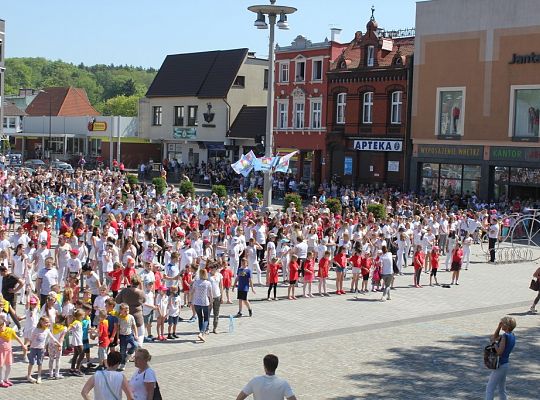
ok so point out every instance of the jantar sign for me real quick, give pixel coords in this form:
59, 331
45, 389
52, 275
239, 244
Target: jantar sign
532, 58
378, 145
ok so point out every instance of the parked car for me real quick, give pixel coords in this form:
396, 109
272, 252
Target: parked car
62, 166
35, 163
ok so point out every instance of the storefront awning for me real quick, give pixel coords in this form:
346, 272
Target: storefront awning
215, 145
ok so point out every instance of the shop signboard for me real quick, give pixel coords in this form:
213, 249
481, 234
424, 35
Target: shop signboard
347, 168
184, 133
531, 154
450, 152
378, 145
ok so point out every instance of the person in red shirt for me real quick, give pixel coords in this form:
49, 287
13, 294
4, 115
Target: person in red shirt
129, 271
272, 276
340, 262
434, 265
227, 281
157, 275
293, 276
116, 275
309, 274
365, 268
187, 278
457, 260
356, 262
322, 273
103, 338
419, 260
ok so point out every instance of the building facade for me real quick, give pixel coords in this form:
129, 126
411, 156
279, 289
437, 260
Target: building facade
193, 100
476, 102
367, 114
300, 104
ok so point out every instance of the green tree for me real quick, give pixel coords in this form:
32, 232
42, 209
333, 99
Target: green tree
121, 105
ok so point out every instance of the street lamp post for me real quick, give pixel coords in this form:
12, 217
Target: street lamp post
49, 147
272, 10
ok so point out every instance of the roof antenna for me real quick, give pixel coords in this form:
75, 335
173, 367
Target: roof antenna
372, 13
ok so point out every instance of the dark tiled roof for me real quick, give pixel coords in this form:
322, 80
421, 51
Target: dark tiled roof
250, 123
61, 101
11, 110
207, 74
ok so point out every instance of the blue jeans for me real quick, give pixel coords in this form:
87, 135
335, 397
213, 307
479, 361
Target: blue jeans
497, 379
125, 340
203, 315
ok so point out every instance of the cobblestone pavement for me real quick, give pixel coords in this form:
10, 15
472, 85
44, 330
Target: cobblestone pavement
423, 344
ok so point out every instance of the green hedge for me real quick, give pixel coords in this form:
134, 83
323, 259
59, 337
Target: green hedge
187, 188
334, 205
293, 198
378, 210
220, 190
132, 179
160, 184
252, 193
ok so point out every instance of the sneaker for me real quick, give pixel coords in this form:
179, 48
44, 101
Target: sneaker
59, 376
382, 299
170, 337
38, 380
532, 309
250, 312
151, 337
174, 335
238, 314
147, 340
121, 367
91, 365
8, 382
3, 384
31, 380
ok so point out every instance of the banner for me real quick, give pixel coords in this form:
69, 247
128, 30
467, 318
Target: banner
245, 164
283, 163
264, 163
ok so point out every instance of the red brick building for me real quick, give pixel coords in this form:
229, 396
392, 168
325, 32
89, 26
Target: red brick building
300, 103
368, 103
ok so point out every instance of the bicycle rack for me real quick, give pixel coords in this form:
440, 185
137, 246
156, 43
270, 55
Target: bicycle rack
508, 255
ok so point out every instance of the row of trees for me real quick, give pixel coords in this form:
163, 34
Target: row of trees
112, 90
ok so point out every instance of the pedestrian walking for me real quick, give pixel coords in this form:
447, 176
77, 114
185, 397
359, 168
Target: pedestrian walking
505, 343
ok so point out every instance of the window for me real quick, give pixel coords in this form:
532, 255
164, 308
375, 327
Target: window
284, 72
95, 147
524, 111
4, 122
265, 80
282, 115
178, 115
370, 56
240, 82
12, 122
56, 145
156, 115
395, 112
192, 116
450, 111
299, 115
300, 71
317, 70
367, 117
447, 180
316, 108
340, 108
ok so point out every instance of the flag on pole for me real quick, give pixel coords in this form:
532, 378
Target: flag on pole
283, 163
264, 163
249, 159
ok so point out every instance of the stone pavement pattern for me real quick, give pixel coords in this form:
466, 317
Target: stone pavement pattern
424, 344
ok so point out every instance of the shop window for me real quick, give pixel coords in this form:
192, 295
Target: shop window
524, 111
430, 170
367, 117
450, 111
341, 103
470, 187
452, 171
429, 185
472, 172
501, 174
450, 187
395, 110
527, 176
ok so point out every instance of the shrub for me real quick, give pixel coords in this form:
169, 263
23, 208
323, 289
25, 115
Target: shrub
293, 198
220, 190
378, 210
334, 205
132, 179
160, 185
252, 193
187, 188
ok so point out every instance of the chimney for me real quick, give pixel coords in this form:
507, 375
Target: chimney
334, 34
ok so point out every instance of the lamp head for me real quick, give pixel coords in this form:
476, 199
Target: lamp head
260, 22
282, 23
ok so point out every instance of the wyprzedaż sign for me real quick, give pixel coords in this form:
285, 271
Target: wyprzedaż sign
378, 145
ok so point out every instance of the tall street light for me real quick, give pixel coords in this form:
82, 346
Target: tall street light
272, 11
49, 146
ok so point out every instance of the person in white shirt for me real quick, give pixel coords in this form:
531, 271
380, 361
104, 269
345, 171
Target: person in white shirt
216, 279
493, 236
268, 386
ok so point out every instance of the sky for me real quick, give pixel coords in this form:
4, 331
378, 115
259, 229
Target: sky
143, 32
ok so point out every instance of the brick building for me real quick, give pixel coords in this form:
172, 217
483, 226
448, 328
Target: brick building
367, 114
300, 103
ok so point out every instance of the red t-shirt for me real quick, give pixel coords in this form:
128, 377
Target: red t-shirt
309, 269
457, 255
341, 259
116, 279
323, 268
227, 277
186, 281
365, 265
159, 278
103, 334
128, 273
293, 271
356, 261
419, 258
434, 260
273, 273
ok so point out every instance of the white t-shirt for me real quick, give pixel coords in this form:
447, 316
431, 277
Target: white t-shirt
138, 380
49, 277
268, 387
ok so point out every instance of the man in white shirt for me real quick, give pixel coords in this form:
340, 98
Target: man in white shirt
493, 236
387, 272
269, 386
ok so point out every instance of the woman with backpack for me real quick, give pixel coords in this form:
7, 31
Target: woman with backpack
536, 276
504, 346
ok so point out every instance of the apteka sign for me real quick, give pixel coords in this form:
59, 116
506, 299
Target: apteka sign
378, 145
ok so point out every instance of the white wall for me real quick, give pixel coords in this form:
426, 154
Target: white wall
129, 126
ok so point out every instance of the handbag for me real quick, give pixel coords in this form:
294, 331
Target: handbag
157, 392
535, 285
491, 358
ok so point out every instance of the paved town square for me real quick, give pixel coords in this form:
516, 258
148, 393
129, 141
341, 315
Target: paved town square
425, 343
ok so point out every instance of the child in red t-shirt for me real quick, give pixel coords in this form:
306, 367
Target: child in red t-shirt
457, 260
365, 268
227, 281
129, 271
322, 274
419, 260
116, 275
103, 337
340, 262
293, 276
434, 265
272, 276
377, 272
356, 262
309, 274
187, 278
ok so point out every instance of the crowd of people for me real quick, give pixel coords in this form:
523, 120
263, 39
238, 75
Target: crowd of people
92, 264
